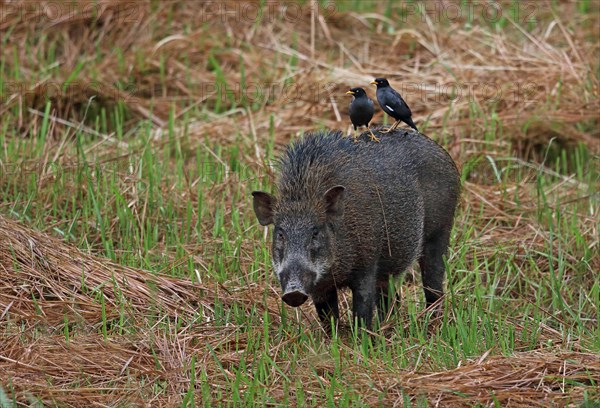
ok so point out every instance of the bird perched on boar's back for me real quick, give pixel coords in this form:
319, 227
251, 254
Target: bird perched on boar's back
361, 111
392, 103
351, 215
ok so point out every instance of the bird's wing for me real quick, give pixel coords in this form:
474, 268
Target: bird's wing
396, 94
392, 101
402, 102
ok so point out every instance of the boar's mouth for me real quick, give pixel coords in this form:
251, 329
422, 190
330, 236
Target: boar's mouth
295, 298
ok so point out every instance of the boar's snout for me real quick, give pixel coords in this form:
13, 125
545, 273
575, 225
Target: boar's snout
294, 298
297, 279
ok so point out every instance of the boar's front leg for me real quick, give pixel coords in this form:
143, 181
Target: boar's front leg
363, 298
327, 307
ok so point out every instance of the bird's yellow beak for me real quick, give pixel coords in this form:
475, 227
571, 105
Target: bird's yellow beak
374, 82
350, 93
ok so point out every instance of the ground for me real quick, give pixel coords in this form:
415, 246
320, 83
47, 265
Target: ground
133, 271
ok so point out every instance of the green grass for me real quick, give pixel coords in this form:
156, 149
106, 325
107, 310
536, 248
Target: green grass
162, 206
521, 268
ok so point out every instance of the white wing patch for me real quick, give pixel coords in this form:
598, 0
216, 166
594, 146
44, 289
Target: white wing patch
389, 107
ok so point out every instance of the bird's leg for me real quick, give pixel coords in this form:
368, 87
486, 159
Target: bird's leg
373, 137
395, 125
390, 128
355, 136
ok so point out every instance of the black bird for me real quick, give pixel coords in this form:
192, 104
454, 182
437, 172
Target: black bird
361, 110
392, 103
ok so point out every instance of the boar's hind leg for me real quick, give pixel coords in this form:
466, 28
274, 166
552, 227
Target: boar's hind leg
327, 307
432, 265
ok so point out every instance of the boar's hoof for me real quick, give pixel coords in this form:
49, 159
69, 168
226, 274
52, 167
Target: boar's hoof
295, 298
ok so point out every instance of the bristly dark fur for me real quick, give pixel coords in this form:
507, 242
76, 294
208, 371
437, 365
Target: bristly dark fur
310, 164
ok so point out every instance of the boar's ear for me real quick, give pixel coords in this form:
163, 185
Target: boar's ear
334, 201
263, 207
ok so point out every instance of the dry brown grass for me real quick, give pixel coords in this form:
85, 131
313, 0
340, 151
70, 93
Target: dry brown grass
125, 370
516, 73
548, 79
47, 285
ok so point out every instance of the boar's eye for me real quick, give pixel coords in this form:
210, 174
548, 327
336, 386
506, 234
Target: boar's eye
315, 233
280, 236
